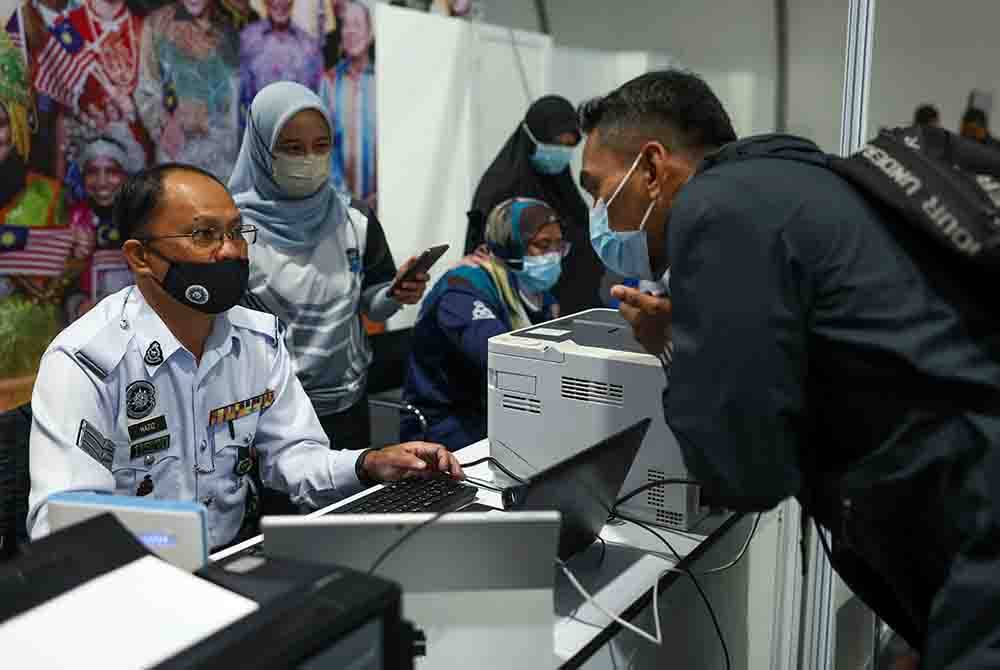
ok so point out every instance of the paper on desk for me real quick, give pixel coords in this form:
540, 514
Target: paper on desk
132, 617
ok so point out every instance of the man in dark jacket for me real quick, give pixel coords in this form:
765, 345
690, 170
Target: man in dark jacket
819, 350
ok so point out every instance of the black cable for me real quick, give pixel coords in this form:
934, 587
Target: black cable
403, 538
490, 459
822, 540
543, 17
708, 604
662, 539
604, 550
653, 484
804, 545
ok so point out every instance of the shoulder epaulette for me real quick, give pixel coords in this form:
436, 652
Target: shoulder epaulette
105, 350
264, 323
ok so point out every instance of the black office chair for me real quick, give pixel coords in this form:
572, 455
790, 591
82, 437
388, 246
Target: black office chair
400, 406
385, 385
15, 427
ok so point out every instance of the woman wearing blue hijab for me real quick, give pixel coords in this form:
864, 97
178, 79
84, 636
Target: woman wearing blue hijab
506, 290
321, 259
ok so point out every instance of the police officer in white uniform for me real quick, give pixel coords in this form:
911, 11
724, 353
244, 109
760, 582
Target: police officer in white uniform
167, 389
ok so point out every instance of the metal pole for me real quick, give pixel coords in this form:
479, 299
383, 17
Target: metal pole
857, 75
818, 628
781, 66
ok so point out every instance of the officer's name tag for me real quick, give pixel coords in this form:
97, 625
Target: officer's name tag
148, 427
240, 409
153, 446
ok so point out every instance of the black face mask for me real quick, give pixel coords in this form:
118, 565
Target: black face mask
207, 287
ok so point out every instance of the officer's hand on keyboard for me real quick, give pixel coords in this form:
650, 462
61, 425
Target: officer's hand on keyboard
420, 459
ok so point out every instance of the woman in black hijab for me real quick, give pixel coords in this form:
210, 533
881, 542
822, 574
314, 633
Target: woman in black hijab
534, 163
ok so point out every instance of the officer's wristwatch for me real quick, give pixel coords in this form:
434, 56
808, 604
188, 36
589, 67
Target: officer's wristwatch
359, 469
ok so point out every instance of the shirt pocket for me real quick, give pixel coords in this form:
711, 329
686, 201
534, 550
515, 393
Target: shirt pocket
131, 468
232, 451
126, 473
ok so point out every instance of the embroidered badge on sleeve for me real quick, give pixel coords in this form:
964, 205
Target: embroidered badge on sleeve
95, 445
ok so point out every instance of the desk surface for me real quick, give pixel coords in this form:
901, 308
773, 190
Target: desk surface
621, 580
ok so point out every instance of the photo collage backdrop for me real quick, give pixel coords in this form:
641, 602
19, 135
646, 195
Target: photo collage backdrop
94, 90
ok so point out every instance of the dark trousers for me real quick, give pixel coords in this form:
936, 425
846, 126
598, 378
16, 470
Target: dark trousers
350, 429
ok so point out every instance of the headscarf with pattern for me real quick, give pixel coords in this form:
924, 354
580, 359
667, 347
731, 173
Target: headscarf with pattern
507, 235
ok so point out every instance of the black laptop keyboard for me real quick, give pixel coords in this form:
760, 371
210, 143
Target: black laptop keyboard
438, 494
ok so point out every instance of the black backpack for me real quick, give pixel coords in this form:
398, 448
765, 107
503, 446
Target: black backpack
941, 184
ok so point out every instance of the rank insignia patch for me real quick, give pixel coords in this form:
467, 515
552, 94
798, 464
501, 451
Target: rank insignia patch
95, 445
154, 354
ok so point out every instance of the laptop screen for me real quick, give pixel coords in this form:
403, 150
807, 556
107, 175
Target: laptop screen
583, 488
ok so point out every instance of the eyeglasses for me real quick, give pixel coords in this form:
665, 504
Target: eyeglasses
208, 238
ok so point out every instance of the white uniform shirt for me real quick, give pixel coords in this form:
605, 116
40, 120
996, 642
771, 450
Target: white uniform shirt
121, 406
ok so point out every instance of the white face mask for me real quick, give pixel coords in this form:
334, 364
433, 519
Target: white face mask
300, 176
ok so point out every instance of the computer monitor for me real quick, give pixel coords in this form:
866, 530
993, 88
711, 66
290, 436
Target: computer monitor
583, 488
498, 550
480, 584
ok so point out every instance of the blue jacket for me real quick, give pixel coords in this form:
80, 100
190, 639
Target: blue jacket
822, 350
446, 371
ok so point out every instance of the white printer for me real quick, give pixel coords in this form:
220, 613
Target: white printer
556, 388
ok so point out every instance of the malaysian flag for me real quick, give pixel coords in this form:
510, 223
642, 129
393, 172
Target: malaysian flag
64, 64
40, 252
109, 259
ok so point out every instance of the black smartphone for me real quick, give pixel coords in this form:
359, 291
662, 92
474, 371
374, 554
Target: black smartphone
424, 263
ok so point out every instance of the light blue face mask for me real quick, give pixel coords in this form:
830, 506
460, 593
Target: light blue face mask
540, 273
625, 252
549, 159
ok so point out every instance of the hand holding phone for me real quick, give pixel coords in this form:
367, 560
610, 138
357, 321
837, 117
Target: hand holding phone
419, 266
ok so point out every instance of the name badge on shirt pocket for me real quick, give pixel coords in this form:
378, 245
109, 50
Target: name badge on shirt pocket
148, 427
153, 446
